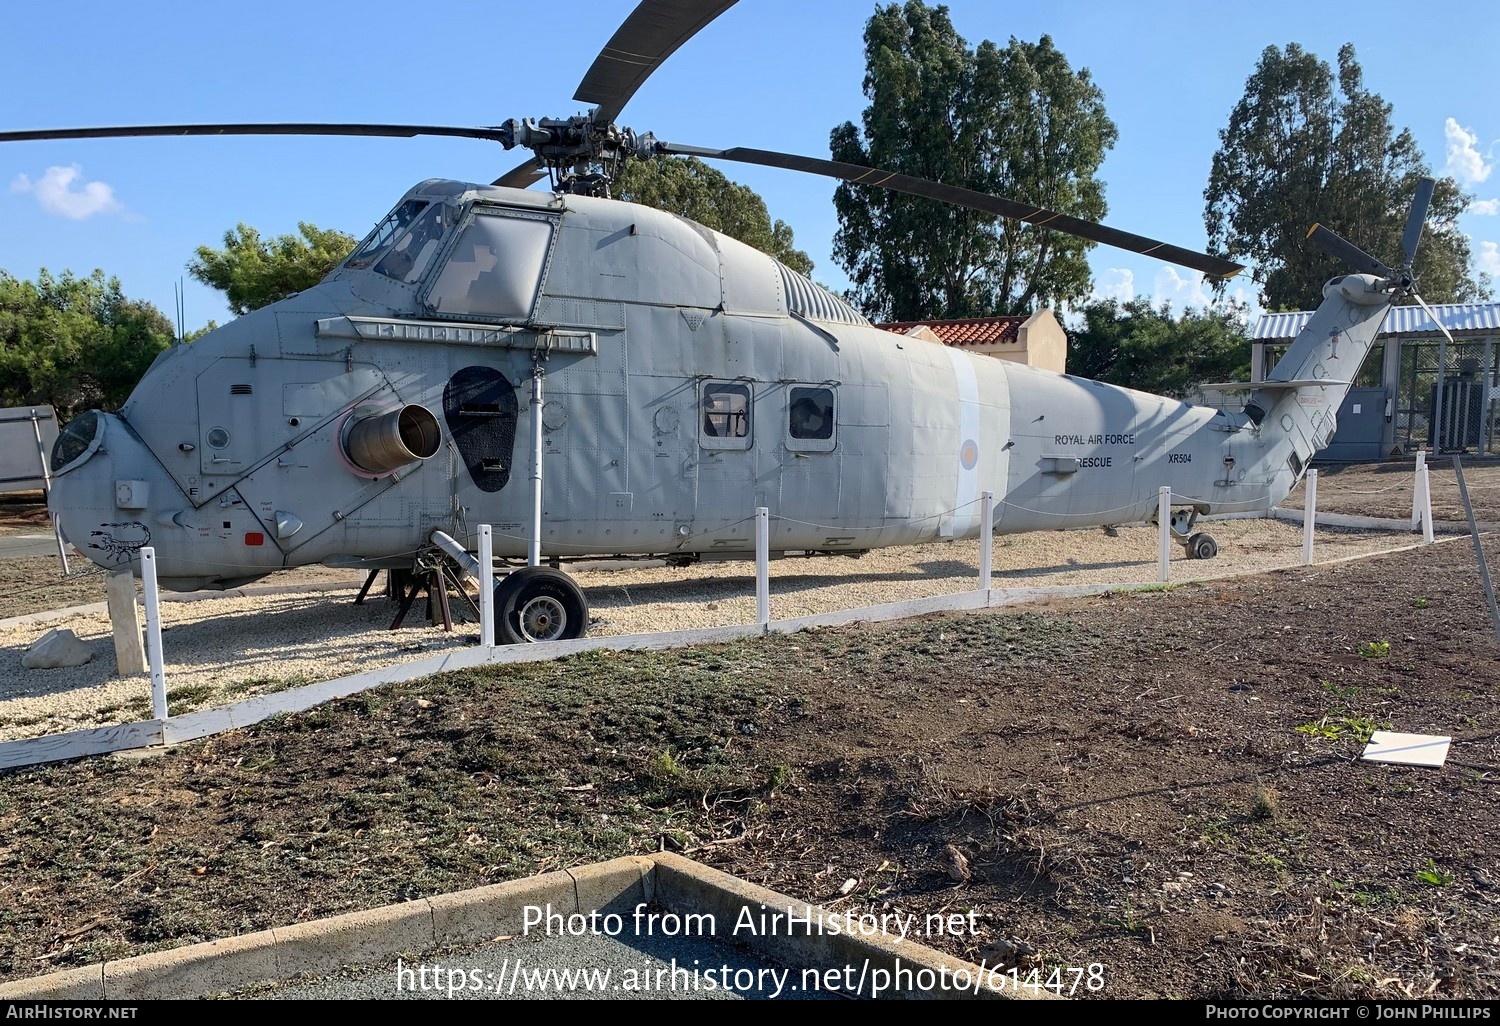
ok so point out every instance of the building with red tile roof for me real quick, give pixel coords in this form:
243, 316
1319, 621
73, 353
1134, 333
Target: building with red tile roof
1037, 340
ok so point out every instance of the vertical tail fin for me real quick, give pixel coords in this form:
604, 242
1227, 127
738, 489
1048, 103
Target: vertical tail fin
1294, 400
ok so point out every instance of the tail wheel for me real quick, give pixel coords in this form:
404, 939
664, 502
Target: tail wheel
1202, 546
538, 603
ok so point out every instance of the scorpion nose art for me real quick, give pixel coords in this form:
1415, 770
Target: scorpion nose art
101, 490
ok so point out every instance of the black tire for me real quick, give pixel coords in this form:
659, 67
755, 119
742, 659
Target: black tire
538, 603
1202, 546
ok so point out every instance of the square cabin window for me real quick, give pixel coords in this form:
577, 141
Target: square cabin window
810, 421
724, 415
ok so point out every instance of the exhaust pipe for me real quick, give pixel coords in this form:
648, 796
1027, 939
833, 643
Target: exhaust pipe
384, 442
449, 544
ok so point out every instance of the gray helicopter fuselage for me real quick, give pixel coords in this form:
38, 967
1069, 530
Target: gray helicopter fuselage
684, 380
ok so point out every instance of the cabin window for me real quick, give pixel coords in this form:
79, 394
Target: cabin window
726, 414
410, 257
809, 418
385, 233
494, 269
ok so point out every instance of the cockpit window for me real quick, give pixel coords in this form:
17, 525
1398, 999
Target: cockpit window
413, 254
385, 233
495, 267
80, 438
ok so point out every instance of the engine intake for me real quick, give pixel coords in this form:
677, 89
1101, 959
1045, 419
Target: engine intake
383, 442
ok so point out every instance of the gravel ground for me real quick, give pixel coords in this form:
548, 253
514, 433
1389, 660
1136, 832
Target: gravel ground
224, 649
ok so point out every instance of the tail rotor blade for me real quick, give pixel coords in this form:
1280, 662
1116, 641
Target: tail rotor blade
1348, 252
1441, 326
1416, 219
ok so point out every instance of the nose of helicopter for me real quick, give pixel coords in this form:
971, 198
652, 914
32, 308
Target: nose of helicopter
102, 478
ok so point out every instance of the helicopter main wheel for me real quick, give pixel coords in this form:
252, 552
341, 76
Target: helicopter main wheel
538, 603
1202, 546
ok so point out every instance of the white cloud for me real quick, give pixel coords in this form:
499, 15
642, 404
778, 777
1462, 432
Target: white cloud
1465, 162
1489, 259
60, 191
1181, 288
1184, 289
1117, 283
1484, 208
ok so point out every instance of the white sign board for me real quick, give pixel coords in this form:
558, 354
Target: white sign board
21, 463
1408, 749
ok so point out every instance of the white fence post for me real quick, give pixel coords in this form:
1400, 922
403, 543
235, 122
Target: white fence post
486, 585
1426, 510
1164, 518
762, 565
153, 634
1417, 484
986, 537
1309, 516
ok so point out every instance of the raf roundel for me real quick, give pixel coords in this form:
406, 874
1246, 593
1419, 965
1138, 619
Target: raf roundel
968, 454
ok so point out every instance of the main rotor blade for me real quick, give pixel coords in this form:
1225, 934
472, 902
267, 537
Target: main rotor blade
859, 175
522, 175
651, 34
304, 128
1416, 219
1348, 252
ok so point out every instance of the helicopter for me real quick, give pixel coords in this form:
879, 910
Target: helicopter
595, 378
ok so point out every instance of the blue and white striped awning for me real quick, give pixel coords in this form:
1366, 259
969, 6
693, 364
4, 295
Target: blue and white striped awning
1462, 319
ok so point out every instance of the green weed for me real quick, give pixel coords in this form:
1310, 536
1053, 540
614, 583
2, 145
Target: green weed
1434, 876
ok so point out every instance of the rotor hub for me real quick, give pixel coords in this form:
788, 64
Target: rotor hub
582, 154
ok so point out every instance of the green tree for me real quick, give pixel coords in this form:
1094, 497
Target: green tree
254, 272
1298, 152
1148, 348
701, 193
74, 343
1017, 122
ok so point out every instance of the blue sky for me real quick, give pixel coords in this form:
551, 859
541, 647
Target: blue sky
777, 74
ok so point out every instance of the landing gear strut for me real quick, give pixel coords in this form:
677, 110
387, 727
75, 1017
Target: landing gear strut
1199, 545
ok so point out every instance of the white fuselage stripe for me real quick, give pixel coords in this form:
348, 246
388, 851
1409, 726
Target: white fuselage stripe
966, 492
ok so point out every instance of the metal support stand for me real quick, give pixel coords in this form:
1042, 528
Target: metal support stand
46, 464
1484, 570
437, 586
433, 582
364, 590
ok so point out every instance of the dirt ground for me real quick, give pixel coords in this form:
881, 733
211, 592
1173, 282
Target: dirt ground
1164, 783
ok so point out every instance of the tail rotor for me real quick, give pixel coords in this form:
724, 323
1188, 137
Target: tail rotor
1402, 280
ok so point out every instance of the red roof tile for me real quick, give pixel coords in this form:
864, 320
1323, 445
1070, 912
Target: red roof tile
966, 331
